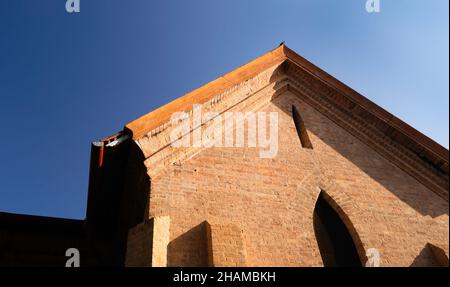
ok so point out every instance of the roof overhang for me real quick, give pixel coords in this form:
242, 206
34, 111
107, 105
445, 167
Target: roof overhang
410, 141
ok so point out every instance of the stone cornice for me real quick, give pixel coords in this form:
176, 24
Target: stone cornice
325, 100
251, 96
412, 151
158, 117
423, 145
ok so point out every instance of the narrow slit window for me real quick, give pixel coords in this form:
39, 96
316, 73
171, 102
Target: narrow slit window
301, 130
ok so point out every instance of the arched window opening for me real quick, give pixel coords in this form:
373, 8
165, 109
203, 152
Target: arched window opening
336, 245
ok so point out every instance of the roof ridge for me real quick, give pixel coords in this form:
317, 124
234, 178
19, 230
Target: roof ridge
161, 115
152, 120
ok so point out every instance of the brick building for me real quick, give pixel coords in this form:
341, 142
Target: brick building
348, 177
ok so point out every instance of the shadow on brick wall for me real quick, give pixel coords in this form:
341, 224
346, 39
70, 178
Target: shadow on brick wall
427, 203
189, 249
428, 258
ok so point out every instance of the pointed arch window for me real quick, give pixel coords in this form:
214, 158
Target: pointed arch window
336, 245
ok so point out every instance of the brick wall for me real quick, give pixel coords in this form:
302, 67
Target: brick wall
139, 245
225, 245
272, 200
148, 242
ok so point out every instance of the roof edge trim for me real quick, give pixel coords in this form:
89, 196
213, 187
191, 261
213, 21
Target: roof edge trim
158, 117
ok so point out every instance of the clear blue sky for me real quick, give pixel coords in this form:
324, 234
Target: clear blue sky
69, 79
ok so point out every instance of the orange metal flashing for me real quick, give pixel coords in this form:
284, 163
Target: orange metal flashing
156, 118
368, 105
100, 156
152, 120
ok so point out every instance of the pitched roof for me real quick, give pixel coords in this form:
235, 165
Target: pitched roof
395, 128
148, 122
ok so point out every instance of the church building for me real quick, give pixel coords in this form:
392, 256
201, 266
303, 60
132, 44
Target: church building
346, 183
